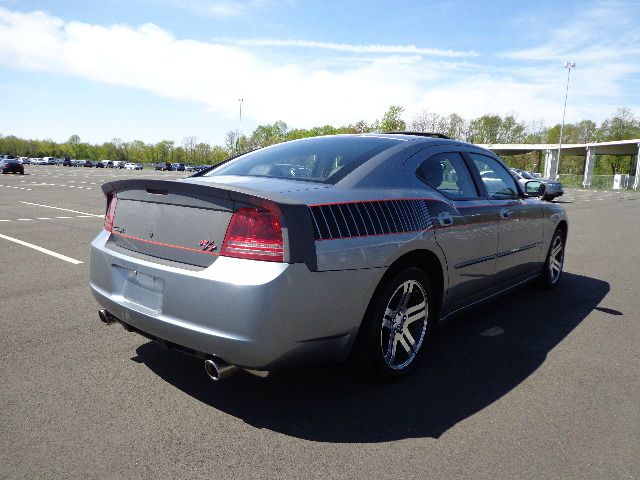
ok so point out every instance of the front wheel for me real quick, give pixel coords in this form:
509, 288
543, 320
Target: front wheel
397, 325
552, 271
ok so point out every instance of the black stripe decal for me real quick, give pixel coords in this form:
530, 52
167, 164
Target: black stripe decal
361, 219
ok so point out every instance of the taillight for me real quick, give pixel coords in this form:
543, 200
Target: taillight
111, 212
254, 234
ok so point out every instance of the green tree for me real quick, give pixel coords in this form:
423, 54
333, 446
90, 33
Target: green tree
392, 120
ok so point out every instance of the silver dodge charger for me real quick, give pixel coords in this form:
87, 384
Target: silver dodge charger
348, 247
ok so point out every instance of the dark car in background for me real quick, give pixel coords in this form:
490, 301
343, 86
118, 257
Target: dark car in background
553, 188
88, 163
10, 164
162, 166
178, 167
67, 162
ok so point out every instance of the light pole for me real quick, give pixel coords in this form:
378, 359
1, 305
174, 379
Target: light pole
240, 101
568, 66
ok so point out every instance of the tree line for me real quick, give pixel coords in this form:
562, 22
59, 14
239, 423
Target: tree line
486, 129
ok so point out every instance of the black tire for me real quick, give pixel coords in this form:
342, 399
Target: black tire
554, 263
390, 345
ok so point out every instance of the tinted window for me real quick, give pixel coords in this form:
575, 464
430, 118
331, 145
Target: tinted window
497, 180
321, 159
448, 173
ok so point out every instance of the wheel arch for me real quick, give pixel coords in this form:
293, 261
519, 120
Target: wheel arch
564, 226
428, 262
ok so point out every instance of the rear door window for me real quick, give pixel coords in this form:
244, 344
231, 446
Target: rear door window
448, 173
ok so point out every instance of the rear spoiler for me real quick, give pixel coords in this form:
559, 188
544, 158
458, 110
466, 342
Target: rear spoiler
297, 229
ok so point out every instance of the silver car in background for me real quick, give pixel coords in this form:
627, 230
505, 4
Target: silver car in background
553, 188
348, 247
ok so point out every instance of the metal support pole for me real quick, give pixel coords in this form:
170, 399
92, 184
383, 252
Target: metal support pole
589, 162
636, 180
569, 66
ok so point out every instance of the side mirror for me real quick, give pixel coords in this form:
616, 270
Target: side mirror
534, 188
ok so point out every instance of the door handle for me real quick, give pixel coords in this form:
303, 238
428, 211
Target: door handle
445, 219
506, 213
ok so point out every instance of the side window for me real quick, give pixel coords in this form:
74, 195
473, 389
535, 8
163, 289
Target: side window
447, 173
497, 180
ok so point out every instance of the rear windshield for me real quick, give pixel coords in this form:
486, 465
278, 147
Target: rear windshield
526, 174
320, 159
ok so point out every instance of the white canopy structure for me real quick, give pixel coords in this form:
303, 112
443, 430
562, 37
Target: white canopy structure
589, 150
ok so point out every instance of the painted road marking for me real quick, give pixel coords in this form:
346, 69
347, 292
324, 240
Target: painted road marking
65, 209
19, 188
41, 249
492, 332
44, 218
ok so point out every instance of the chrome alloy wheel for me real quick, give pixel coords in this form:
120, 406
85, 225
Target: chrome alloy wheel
404, 324
556, 259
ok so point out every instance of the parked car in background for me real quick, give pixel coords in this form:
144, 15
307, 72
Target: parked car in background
162, 166
79, 163
67, 162
98, 164
47, 161
130, 166
553, 188
139, 166
88, 163
178, 167
321, 249
10, 164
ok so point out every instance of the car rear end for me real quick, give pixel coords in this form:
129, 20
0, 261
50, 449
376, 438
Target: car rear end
224, 272
553, 189
12, 165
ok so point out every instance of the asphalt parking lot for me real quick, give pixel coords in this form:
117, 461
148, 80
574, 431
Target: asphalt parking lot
535, 385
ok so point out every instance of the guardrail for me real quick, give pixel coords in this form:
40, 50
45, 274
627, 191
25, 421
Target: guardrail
599, 182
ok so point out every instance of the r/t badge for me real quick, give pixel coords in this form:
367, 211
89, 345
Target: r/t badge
208, 245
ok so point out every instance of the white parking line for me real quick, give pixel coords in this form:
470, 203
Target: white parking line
65, 209
18, 188
44, 218
43, 250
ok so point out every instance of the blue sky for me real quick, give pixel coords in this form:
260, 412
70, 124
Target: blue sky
167, 69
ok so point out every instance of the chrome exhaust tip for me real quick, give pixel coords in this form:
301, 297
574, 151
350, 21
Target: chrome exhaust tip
106, 317
218, 369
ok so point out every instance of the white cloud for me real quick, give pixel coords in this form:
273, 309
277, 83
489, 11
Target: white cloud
342, 47
320, 90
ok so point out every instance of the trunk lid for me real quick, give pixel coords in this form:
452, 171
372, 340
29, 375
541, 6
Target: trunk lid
186, 222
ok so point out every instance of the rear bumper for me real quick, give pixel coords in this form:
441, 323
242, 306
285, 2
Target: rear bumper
259, 315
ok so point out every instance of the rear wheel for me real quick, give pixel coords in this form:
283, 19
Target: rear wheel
397, 325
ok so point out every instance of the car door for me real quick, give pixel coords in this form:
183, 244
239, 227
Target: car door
520, 231
465, 225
